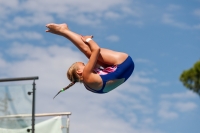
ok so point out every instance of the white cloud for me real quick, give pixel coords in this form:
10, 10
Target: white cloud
9, 4
2, 62
172, 104
197, 12
77, 11
20, 35
168, 19
182, 95
138, 23
196, 26
132, 11
138, 77
112, 15
173, 7
113, 38
146, 61
84, 20
164, 84
30, 20
185, 106
165, 111
168, 114
136, 88
149, 121
142, 60
7, 7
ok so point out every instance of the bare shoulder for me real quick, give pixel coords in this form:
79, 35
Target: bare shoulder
93, 80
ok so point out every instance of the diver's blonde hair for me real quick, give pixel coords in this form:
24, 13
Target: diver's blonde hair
72, 75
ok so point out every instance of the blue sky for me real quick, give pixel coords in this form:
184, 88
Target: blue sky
162, 37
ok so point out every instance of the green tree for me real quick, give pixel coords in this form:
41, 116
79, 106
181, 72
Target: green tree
191, 78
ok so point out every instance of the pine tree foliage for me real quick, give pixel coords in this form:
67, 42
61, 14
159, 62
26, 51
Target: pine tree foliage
191, 78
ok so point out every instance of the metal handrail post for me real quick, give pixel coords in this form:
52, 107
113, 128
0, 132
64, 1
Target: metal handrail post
33, 108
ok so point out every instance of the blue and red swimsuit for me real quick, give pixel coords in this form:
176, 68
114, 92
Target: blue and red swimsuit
118, 74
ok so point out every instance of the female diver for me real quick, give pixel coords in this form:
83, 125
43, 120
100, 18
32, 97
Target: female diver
105, 70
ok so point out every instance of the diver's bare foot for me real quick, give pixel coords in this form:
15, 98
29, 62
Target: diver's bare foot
56, 28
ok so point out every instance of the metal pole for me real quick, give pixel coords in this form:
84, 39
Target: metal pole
33, 108
36, 115
18, 79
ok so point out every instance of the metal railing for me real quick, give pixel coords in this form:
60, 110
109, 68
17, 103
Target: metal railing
43, 115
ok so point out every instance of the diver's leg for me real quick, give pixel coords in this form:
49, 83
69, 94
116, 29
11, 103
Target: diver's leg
108, 57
